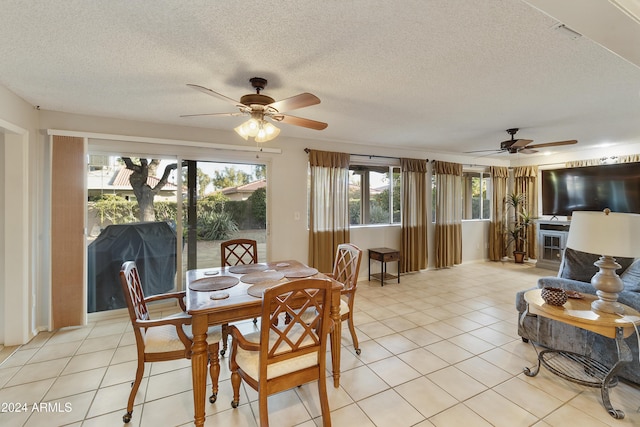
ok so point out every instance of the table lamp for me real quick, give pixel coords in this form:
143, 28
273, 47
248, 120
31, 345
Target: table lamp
610, 235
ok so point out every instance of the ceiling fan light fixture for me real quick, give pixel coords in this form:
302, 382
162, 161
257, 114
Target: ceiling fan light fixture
271, 130
267, 132
240, 130
259, 129
250, 128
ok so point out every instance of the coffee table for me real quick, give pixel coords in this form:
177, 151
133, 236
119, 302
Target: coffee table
579, 368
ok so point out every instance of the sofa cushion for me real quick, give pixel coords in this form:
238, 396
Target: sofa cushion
566, 284
577, 265
631, 277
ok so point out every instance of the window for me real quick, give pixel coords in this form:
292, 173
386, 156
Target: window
220, 201
475, 195
226, 201
131, 215
374, 195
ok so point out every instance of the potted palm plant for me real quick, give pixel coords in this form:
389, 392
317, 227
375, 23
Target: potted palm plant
518, 225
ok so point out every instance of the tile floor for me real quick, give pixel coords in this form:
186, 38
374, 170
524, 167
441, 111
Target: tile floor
438, 349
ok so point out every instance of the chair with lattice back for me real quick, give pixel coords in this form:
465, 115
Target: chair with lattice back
157, 340
238, 251
345, 270
281, 356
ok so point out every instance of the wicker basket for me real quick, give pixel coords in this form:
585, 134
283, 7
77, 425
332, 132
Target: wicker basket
554, 296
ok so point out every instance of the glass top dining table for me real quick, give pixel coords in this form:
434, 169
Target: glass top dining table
216, 296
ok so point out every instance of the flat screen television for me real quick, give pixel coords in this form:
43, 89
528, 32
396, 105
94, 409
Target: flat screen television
591, 188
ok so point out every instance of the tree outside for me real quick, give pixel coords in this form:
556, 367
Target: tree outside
143, 191
230, 177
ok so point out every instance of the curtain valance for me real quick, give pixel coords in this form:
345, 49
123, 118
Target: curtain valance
499, 172
413, 165
630, 158
329, 159
447, 168
525, 172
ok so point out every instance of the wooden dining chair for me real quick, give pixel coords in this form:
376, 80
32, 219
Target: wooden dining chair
345, 270
285, 355
236, 252
163, 339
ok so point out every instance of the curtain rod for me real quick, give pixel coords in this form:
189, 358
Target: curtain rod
306, 150
471, 165
163, 141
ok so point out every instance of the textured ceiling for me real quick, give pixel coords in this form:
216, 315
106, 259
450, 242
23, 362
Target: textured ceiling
445, 76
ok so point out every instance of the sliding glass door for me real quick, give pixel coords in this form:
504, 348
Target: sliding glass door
169, 216
224, 201
131, 214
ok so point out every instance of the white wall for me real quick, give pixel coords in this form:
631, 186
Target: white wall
475, 241
2, 238
19, 176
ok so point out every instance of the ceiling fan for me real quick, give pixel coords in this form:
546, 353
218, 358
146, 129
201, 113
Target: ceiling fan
524, 145
260, 107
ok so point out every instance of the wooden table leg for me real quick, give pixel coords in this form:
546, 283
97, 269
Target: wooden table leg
336, 338
199, 359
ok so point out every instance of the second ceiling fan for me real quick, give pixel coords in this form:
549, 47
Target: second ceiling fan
524, 146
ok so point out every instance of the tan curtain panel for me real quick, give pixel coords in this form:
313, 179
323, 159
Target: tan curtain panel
328, 206
448, 229
526, 182
414, 215
497, 241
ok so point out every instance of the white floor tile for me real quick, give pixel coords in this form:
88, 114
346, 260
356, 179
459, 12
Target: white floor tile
439, 349
389, 409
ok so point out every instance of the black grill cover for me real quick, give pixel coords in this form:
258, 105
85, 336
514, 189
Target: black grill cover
152, 245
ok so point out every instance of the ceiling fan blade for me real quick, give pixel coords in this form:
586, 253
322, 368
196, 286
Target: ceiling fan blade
553, 144
214, 94
214, 114
527, 150
298, 121
483, 151
298, 101
521, 143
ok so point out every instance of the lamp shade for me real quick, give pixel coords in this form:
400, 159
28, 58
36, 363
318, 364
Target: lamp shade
259, 129
601, 233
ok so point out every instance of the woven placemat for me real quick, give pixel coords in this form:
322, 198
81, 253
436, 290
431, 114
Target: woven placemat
282, 265
210, 284
258, 289
262, 276
247, 268
300, 272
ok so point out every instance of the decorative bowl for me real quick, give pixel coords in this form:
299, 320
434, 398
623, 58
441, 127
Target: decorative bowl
554, 296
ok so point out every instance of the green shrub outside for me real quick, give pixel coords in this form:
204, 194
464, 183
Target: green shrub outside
217, 216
